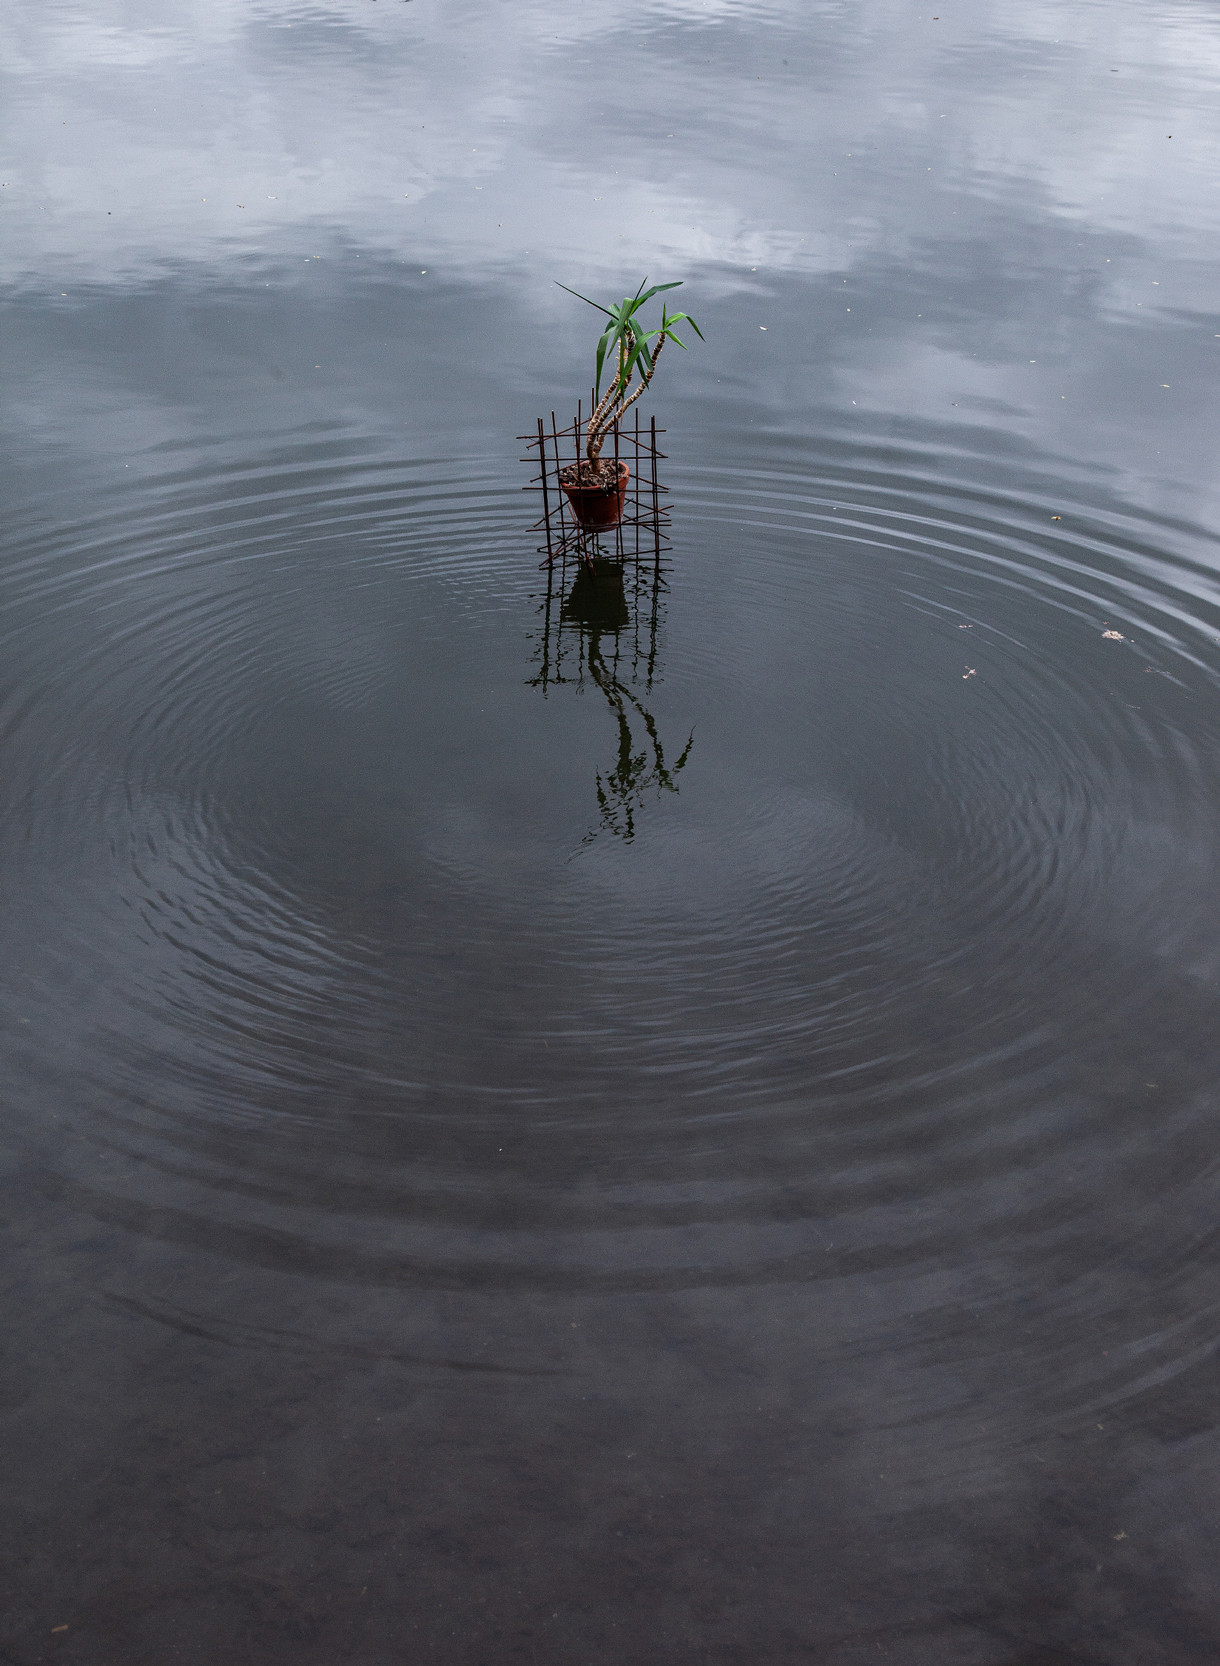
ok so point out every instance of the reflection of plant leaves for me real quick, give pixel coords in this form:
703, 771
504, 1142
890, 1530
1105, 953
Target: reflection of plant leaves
598, 606
639, 769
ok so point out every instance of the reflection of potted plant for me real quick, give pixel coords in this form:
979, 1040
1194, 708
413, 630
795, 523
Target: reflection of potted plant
598, 491
615, 615
598, 605
598, 601
622, 790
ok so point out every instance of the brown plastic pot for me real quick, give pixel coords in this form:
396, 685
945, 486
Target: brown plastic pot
600, 506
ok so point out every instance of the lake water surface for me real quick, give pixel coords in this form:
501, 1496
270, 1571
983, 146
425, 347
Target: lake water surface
475, 1191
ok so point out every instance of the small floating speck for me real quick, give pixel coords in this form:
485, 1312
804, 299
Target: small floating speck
1114, 636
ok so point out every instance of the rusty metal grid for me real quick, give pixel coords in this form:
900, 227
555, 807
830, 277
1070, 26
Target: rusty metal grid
641, 535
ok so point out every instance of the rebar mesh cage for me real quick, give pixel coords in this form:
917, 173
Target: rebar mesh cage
642, 533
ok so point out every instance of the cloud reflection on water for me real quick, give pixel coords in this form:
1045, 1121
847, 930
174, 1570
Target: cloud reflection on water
633, 124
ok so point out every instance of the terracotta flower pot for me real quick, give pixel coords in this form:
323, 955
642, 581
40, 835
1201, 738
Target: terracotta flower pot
597, 502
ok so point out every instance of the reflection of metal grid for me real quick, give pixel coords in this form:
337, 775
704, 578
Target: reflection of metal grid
643, 530
614, 627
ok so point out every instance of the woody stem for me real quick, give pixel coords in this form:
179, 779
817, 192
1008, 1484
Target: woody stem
603, 416
614, 404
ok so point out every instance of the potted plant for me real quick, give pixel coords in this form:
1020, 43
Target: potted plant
597, 491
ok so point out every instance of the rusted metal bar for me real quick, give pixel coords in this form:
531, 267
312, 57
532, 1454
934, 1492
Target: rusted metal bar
618, 531
558, 488
546, 507
636, 495
656, 519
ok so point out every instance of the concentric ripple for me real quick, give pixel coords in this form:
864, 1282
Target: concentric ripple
310, 967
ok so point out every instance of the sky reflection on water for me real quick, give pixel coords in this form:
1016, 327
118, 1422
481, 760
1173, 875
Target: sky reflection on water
786, 1235
987, 190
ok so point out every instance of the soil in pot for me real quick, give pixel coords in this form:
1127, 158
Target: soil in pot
597, 500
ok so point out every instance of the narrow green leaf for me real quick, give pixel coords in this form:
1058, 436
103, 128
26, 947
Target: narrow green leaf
581, 297
626, 342
602, 344
657, 289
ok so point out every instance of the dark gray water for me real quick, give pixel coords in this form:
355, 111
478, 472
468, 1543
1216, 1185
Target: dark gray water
474, 1190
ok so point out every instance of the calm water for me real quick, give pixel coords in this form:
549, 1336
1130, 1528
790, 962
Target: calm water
474, 1190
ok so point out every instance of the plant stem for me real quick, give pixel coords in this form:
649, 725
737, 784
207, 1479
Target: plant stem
615, 401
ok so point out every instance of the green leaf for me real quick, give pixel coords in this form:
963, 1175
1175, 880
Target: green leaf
602, 344
581, 297
681, 318
625, 340
657, 289
640, 355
